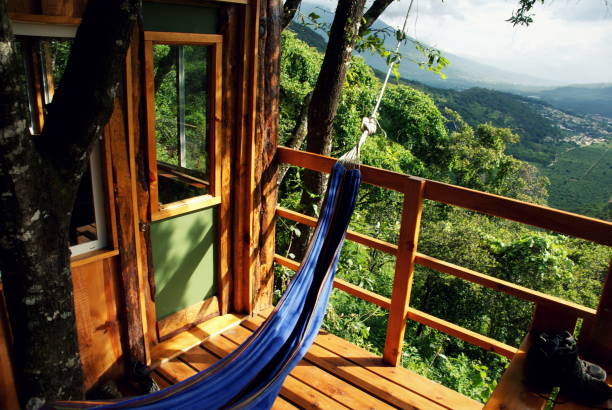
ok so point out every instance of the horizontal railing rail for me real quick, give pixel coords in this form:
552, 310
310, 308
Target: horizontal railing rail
555, 220
535, 215
487, 281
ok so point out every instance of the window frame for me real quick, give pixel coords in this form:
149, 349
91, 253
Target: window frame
215, 42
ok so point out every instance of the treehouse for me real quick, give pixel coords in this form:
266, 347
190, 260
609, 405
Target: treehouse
172, 235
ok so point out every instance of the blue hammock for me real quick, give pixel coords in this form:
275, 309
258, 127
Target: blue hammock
253, 374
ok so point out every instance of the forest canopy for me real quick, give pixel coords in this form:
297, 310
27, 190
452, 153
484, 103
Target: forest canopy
416, 137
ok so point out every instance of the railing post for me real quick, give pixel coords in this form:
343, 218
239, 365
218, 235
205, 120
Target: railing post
404, 267
595, 340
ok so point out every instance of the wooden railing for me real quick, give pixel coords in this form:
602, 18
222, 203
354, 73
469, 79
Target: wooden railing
547, 308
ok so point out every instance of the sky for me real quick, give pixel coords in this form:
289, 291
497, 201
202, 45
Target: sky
570, 41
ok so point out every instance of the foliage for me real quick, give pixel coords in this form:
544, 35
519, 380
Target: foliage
410, 118
582, 179
195, 107
417, 138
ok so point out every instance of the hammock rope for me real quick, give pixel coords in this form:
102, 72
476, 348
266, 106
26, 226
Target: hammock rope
368, 124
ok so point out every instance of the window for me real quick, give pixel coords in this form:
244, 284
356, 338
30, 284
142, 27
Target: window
181, 121
183, 110
44, 53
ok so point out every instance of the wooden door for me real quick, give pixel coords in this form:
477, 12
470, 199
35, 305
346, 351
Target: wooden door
183, 100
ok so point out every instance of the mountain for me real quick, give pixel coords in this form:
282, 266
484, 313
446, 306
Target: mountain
462, 72
580, 99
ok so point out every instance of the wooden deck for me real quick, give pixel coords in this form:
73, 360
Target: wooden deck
334, 374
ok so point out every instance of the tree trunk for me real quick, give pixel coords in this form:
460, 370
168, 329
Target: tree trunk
298, 135
266, 142
324, 103
39, 178
289, 9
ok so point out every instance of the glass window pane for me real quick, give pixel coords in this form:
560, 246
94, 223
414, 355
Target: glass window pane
181, 121
87, 230
54, 57
83, 220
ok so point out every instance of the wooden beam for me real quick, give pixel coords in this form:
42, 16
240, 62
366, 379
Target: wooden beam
404, 269
164, 37
219, 156
462, 333
93, 256
45, 19
509, 288
265, 144
370, 175
136, 114
243, 198
362, 293
131, 159
127, 231
229, 69
567, 223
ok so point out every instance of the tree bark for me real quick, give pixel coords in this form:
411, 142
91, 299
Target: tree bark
289, 9
164, 65
324, 103
39, 178
370, 16
266, 142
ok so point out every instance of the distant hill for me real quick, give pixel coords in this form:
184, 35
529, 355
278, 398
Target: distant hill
481, 105
309, 36
580, 99
464, 73
520, 114
573, 151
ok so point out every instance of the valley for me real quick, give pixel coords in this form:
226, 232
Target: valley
566, 132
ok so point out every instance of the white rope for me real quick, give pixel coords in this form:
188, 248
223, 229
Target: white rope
368, 124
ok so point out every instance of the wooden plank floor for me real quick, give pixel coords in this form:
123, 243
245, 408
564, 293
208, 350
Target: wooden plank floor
334, 375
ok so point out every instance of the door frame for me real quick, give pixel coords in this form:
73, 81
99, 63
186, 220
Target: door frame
220, 303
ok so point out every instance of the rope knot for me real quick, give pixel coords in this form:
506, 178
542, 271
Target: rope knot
368, 124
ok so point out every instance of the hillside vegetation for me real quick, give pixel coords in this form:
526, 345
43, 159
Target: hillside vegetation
421, 138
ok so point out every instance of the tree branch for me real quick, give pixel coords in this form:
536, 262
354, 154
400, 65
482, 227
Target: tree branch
370, 16
289, 9
84, 100
164, 65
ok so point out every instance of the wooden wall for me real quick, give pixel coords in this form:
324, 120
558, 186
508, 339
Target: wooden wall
97, 310
108, 286
67, 8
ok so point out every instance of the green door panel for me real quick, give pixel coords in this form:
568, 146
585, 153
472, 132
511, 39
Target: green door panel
184, 249
179, 18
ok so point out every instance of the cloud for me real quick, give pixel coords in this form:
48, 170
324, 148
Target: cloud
568, 42
583, 10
